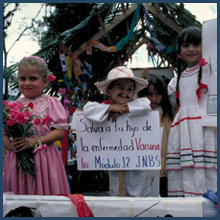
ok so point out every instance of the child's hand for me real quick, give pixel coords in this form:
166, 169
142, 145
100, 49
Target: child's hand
113, 116
23, 143
116, 110
119, 108
126, 109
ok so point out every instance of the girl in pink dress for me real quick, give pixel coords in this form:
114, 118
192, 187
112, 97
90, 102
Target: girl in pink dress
50, 176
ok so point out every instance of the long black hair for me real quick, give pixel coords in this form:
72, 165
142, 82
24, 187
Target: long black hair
161, 87
192, 35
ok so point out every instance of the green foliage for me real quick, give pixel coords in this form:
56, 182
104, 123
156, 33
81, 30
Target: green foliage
76, 23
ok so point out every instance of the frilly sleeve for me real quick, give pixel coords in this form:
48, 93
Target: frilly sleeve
139, 106
172, 86
57, 114
95, 111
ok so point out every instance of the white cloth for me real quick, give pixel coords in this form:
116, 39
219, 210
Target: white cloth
171, 88
192, 149
136, 182
96, 112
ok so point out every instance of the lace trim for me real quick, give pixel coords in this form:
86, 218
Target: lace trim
59, 125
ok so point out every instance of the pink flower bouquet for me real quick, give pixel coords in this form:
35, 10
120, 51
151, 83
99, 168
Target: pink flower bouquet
18, 122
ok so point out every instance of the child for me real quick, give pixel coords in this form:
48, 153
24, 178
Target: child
192, 149
120, 86
50, 173
156, 92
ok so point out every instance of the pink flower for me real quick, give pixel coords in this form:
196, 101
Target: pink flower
26, 119
27, 114
5, 102
10, 122
30, 105
62, 91
202, 62
36, 121
20, 118
12, 105
40, 147
51, 78
45, 119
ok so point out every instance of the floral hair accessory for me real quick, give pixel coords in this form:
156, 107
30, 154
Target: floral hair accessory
51, 78
38, 58
202, 62
202, 87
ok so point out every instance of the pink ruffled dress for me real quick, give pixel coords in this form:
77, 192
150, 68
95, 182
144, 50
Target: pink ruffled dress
50, 173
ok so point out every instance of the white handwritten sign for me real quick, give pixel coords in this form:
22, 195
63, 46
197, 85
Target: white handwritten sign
130, 143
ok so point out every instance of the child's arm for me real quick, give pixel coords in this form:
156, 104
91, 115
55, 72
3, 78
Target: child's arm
115, 110
139, 106
99, 112
171, 87
50, 137
7, 143
119, 108
95, 111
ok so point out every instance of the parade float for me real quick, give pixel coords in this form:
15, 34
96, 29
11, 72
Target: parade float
107, 35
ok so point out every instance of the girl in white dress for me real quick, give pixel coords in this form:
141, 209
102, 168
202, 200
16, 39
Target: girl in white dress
192, 148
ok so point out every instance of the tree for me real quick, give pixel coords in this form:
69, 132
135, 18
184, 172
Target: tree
9, 12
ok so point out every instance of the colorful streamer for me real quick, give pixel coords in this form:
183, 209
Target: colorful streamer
76, 65
156, 42
102, 47
135, 19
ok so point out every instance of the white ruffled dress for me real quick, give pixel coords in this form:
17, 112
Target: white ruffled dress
192, 147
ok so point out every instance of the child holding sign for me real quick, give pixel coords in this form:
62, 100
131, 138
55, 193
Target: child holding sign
120, 86
192, 145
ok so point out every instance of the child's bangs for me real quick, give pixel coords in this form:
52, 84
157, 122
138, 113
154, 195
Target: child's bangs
192, 35
192, 39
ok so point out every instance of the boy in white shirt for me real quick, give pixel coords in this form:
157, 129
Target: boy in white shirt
121, 86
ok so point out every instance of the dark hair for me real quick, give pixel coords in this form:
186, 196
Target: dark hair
191, 35
23, 211
161, 87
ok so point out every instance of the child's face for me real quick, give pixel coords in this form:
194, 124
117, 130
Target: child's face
191, 53
154, 97
31, 84
122, 91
